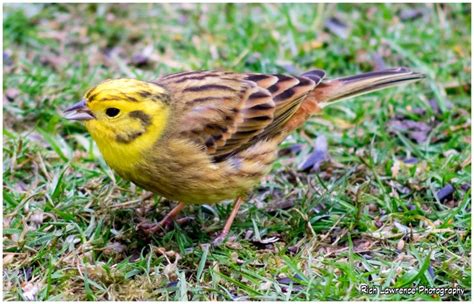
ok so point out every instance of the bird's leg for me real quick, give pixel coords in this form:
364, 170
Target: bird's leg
168, 219
229, 222
165, 222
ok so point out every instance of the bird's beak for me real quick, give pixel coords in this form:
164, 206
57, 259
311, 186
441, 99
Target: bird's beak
78, 111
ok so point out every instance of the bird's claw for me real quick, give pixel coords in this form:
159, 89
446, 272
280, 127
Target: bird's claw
163, 226
152, 228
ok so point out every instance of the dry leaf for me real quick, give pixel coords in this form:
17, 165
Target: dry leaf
30, 290
337, 27
318, 157
395, 168
445, 193
265, 285
400, 244
37, 217
11, 94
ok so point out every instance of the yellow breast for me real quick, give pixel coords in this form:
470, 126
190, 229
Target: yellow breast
182, 171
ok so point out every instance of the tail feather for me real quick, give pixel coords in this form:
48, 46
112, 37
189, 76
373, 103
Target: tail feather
351, 86
329, 91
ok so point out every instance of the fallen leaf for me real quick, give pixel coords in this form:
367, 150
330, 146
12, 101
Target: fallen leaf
418, 136
139, 60
234, 256
248, 234
410, 160
286, 282
417, 125
402, 228
53, 61
342, 124
410, 14
265, 285
434, 105
11, 94
37, 217
378, 223
318, 157
445, 193
337, 27
293, 249
431, 271
282, 204
395, 168
114, 248
290, 68
7, 59
172, 284
170, 271
8, 258
233, 244
415, 130
400, 245
378, 62
291, 150
465, 187
363, 245
266, 241
30, 290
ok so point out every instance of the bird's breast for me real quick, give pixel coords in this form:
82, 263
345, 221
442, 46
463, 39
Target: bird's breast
181, 171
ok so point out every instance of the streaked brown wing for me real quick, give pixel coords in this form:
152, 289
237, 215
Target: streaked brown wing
227, 112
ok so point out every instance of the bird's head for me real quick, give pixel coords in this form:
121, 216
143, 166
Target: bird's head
125, 117
122, 110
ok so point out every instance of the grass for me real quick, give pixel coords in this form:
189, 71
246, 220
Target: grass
371, 215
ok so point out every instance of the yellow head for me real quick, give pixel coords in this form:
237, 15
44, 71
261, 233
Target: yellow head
125, 117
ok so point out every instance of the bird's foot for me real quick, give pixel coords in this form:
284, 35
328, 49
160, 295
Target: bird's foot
153, 228
221, 237
165, 223
164, 226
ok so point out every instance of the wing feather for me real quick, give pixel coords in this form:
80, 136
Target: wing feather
228, 112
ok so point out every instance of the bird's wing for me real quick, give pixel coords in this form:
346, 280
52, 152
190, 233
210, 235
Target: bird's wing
228, 112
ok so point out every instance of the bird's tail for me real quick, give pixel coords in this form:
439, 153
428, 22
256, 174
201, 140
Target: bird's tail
329, 91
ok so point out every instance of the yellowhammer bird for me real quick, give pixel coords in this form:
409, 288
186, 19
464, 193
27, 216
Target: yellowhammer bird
207, 136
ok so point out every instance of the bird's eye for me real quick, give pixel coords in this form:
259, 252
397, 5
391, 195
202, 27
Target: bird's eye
112, 112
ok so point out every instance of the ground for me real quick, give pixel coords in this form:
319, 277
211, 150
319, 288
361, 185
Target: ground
374, 191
